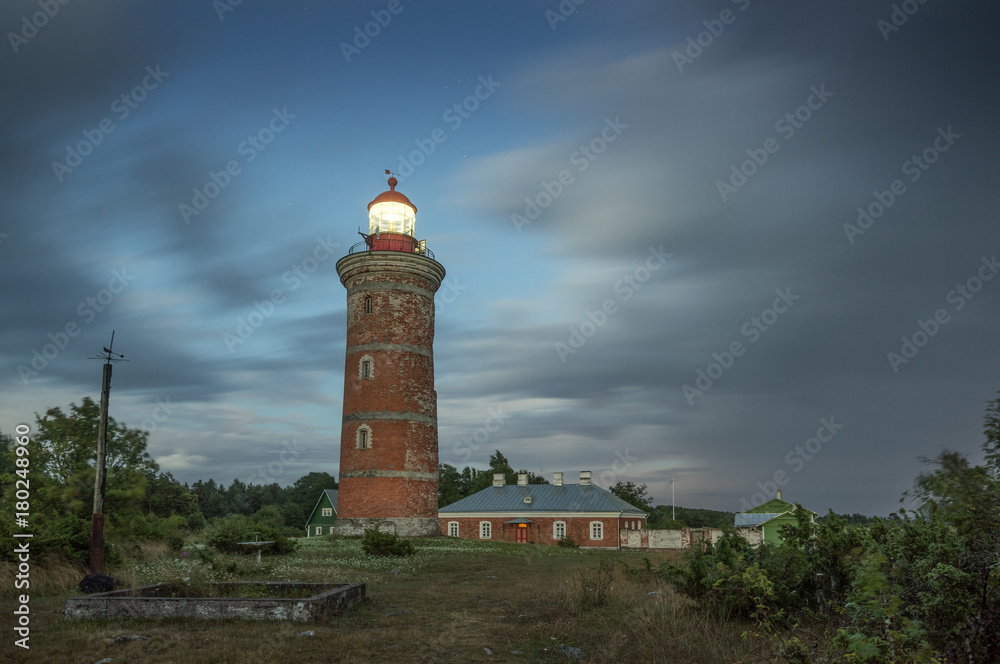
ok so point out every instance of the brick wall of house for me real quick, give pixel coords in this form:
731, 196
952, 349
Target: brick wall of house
541, 530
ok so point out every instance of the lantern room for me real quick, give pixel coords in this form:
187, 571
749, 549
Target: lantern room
391, 221
391, 212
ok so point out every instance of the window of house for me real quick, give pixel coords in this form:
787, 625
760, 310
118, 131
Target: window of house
319, 530
368, 304
485, 530
364, 440
559, 529
331, 530
596, 530
327, 511
453, 529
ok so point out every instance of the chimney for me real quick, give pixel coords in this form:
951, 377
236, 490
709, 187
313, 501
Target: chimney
557, 479
584, 478
522, 479
779, 494
498, 479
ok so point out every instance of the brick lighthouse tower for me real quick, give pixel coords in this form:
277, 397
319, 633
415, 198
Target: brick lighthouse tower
389, 438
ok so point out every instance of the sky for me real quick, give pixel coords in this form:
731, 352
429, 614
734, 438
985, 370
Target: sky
720, 248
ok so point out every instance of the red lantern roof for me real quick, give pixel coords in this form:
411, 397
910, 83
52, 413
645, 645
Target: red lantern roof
392, 196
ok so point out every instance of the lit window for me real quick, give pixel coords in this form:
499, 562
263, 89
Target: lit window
368, 304
485, 530
453, 529
596, 530
327, 511
364, 437
559, 529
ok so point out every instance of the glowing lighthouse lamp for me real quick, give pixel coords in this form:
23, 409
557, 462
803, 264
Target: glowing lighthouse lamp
391, 223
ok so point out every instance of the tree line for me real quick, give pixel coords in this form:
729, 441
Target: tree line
144, 503
141, 502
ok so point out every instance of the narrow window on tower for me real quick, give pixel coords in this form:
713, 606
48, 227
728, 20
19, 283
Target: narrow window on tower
364, 438
368, 304
366, 367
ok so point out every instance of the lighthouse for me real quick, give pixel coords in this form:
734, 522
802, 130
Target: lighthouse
389, 435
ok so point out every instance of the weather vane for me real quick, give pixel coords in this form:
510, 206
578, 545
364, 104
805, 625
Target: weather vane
110, 356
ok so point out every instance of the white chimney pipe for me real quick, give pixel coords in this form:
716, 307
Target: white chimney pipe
522, 479
557, 479
498, 479
584, 478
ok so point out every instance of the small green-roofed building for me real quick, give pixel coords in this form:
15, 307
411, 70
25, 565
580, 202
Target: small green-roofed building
769, 517
323, 516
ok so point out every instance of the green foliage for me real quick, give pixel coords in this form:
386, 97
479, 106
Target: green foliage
633, 494
377, 543
661, 518
454, 485
567, 542
921, 588
62, 454
225, 535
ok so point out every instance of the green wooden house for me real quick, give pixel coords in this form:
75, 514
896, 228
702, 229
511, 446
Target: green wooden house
769, 517
323, 516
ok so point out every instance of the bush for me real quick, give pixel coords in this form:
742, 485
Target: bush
567, 542
377, 543
226, 534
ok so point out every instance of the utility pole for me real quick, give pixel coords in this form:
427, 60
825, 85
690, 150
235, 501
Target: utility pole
100, 476
673, 504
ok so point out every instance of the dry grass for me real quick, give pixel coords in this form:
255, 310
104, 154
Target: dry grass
450, 602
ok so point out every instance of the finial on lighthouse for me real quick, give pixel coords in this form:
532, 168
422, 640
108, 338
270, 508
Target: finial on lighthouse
392, 180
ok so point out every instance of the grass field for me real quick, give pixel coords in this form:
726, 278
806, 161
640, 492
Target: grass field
450, 602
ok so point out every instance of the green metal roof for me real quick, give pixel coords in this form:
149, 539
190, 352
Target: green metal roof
544, 498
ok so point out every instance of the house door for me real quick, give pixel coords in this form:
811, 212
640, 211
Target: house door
521, 533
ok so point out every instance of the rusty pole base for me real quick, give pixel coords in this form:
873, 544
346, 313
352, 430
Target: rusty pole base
97, 544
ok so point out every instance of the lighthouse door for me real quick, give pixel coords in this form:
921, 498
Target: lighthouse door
521, 533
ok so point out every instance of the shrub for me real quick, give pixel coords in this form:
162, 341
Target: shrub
226, 533
568, 543
377, 543
595, 587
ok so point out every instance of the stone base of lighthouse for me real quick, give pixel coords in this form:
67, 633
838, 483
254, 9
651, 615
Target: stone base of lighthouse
401, 526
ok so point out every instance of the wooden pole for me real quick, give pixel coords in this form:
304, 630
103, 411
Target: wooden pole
97, 522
